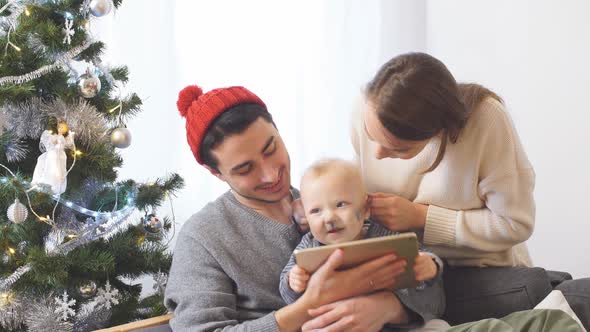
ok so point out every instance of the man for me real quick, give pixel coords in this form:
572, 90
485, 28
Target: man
229, 256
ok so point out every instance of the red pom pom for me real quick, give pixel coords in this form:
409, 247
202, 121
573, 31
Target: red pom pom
186, 97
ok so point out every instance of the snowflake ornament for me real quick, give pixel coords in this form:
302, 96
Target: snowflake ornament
68, 31
106, 296
63, 306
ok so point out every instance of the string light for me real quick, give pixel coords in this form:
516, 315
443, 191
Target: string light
97, 214
120, 106
11, 251
18, 49
9, 43
78, 152
27, 11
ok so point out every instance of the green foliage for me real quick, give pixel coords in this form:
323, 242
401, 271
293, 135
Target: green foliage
152, 195
130, 252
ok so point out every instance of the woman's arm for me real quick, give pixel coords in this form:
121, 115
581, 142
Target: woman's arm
507, 219
506, 181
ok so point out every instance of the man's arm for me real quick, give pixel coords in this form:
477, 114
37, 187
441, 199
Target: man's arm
201, 295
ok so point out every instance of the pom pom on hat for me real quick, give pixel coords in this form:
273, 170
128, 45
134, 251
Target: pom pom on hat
186, 98
201, 109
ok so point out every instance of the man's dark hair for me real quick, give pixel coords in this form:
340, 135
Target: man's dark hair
234, 120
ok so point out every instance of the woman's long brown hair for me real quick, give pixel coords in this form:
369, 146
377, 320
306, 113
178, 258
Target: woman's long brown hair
416, 98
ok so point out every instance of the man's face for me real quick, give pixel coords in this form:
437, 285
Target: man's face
255, 163
335, 206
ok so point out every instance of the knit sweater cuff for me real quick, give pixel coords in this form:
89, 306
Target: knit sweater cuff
440, 226
266, 323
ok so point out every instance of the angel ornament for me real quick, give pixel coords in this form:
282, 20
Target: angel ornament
51, 164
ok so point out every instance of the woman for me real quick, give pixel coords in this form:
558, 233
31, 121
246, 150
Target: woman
444, 159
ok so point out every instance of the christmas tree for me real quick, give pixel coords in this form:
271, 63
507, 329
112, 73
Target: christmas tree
73, 238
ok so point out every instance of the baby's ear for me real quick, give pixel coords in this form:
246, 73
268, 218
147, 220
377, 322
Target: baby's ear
299, 215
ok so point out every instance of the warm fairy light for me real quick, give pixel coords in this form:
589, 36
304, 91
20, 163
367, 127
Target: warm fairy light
78, 153
27, 12
86, 24
140, 239
11, 251
5, 299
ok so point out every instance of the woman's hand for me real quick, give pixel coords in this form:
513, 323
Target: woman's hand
424, 267
396, 212
328, 285
363, 313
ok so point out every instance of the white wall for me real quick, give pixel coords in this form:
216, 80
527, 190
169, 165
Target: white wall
535, 55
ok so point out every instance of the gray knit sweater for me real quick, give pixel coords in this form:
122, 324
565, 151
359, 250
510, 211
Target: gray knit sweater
226, 268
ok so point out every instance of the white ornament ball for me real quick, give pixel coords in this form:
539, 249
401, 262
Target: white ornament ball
100, 8
152, 224
89, 85
121, 138
17, 212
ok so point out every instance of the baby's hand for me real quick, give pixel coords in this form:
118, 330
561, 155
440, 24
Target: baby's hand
298, 279
424, 267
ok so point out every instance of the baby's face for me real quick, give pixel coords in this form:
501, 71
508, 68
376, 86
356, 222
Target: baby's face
334, 207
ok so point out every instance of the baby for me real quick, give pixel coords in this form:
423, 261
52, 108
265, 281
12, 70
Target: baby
335, 205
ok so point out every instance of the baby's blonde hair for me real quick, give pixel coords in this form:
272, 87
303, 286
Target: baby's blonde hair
334, 165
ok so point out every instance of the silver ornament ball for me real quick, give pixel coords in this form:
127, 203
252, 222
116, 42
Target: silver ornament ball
17, 212
121, 137
89, 85
100, 8
152, 224
87, 290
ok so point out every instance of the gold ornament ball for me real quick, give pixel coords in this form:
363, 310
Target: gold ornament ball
88, 289
121, 138
17, 212
100, 8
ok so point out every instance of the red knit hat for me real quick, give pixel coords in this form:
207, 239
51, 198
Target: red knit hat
200, 110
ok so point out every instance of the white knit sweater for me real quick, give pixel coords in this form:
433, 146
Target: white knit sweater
481, 206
